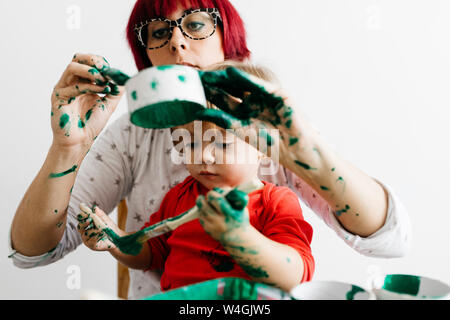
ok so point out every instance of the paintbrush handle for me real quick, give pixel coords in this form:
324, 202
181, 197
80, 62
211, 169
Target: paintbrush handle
174, 222
169, 224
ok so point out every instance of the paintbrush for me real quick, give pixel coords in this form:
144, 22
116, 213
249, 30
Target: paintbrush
132, 244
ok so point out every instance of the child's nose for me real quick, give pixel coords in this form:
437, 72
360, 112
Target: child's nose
208, 155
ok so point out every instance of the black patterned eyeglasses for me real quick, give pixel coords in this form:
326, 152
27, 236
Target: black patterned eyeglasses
196, 24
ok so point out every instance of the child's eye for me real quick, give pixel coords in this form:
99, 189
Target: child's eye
223, 145
192, 145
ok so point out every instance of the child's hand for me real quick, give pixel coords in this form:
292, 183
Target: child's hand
224, 216
91, 223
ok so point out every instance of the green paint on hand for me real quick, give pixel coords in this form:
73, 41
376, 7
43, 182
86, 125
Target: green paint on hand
93, 71
88, 115
324, 188
292, 141
265, 135
71, 99
64, 120
58, 175
81, 124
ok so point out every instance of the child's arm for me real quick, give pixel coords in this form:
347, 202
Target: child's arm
93, 236
264, 260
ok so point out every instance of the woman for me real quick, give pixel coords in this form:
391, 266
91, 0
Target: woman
131, 162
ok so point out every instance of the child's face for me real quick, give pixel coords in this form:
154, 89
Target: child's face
217, 158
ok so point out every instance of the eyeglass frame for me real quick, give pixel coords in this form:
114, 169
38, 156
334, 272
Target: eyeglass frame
213, 12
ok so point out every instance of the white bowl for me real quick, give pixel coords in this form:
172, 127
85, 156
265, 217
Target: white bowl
409, 287
329, 290
165, 96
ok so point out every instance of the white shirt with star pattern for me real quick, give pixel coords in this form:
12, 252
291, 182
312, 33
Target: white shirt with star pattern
133, 163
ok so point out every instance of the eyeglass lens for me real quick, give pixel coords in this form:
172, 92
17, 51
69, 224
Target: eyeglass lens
197, 25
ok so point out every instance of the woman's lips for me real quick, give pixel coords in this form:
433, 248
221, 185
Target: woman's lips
207, 173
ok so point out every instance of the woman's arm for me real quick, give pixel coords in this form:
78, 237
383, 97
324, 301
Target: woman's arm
78, 115
359, 202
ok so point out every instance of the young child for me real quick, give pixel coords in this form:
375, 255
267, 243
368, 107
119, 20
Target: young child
266, 241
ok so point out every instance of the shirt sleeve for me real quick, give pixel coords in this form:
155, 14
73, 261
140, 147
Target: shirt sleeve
103, 179
284, 223
391, 241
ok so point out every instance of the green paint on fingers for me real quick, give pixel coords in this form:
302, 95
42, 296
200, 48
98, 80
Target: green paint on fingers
64, 120
339, 212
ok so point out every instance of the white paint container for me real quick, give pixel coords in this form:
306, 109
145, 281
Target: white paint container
329, 290
408, 287
165, 96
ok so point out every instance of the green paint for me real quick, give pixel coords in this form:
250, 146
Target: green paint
59, 224
88, 115
81, 124
324, 188
58, 175
154, 84
64, 120
56, 211
134, 95
304, 165
163, 68
93, 71
332, 169
339, 212
253, 271
288, 259
71, 99
292, 141
182, 78
115, 90
351, 294
115, 75
288, 124
51, 113
402, 283
266, 136
340, 179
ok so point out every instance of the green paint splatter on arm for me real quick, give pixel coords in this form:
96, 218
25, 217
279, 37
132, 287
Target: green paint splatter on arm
58, 175
304, 165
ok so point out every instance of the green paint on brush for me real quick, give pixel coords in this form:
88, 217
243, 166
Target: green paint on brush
304, 165
58, 175
351, 294
115, 75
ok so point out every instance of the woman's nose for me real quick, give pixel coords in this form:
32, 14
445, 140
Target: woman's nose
178, 41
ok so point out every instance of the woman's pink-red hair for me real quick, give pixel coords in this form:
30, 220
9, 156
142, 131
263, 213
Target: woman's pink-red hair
234, 35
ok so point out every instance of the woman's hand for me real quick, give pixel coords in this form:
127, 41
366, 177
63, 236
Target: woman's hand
224, 216
247, 102
82, 101
91, 225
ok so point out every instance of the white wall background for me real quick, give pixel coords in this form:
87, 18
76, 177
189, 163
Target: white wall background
372, 75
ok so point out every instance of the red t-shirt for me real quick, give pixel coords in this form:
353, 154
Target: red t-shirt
189, 255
